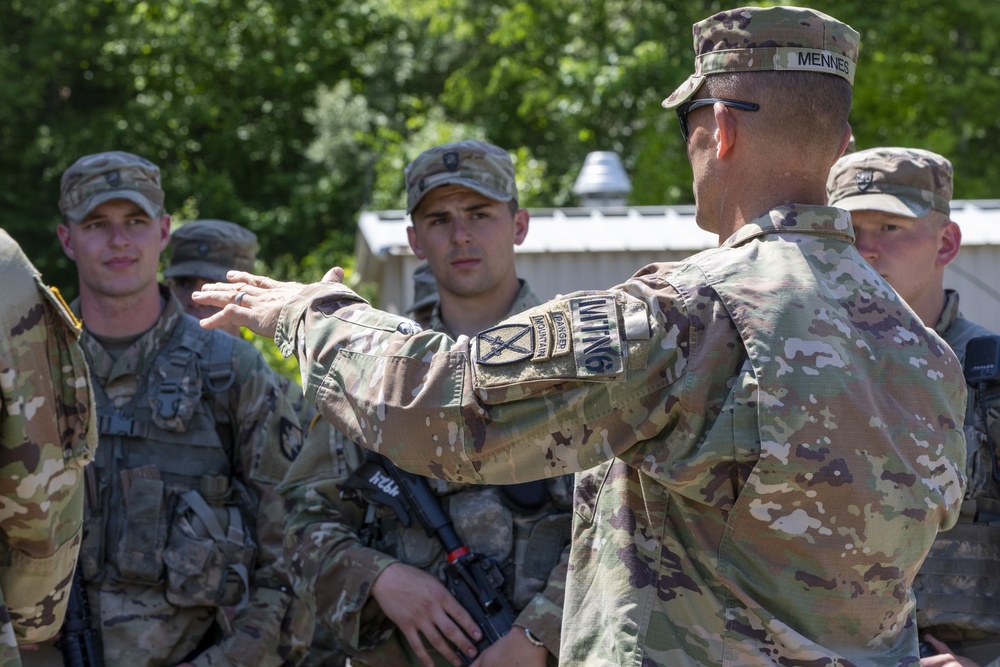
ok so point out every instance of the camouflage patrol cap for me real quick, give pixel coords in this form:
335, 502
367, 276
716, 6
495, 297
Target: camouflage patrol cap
909, 182
753, 39
95, 179
425, 289
483, 167
210, 248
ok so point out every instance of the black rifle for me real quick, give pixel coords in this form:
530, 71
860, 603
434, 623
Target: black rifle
79, 642
473, 579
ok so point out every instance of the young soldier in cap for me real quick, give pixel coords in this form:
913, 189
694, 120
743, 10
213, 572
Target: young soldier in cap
47, 434
182, 545
374, 581
773, 428
203, 251
899, 199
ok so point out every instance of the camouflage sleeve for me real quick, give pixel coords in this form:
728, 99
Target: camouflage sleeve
47, 433
332, 570
275, 628
543, 615
556, 389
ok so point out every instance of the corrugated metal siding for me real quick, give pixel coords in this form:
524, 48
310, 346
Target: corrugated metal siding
976, 276
574, 249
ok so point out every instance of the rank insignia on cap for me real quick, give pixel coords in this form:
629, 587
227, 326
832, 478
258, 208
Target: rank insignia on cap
504, 344
864, 179
450, 161
113, 178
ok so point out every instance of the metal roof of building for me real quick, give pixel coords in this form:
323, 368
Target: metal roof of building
638, 228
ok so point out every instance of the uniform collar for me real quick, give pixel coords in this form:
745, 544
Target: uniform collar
950, 314
140, 355
524, 300
796, 219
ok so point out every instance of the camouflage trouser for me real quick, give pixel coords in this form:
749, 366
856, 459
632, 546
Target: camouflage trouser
323, 652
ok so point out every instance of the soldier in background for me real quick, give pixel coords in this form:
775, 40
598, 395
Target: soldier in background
768, 431
195, 435
47, 434
899, 200
375, 582
203, 251
425, 296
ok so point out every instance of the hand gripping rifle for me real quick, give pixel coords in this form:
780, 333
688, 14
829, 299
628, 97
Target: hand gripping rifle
473, 579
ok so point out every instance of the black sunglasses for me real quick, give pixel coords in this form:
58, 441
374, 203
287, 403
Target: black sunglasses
686, 108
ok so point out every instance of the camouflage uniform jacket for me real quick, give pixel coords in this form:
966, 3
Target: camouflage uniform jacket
335, 567
320, 436
139, 623
960, 607
46, 436
767, 493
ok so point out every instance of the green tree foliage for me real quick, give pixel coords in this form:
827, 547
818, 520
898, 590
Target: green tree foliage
214, 91
290, 116
564, 78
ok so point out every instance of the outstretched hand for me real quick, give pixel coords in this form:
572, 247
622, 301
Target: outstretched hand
250, 301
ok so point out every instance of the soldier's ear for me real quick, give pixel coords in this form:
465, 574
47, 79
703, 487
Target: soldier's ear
62, 231
411, 236
949, 243
164, 223
725, 130
521, 220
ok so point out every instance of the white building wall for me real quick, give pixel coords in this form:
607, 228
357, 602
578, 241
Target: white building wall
976, 276
575, 249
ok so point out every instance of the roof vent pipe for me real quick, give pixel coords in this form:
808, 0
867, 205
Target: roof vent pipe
602, 181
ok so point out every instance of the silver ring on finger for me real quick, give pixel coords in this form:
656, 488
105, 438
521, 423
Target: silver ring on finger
239, 298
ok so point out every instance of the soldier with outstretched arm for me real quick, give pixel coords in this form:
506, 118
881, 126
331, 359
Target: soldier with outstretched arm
767, 436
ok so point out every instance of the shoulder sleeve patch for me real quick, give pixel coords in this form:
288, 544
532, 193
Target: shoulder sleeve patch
543, 338
505, 344
562, 341
576, 338
597, 336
